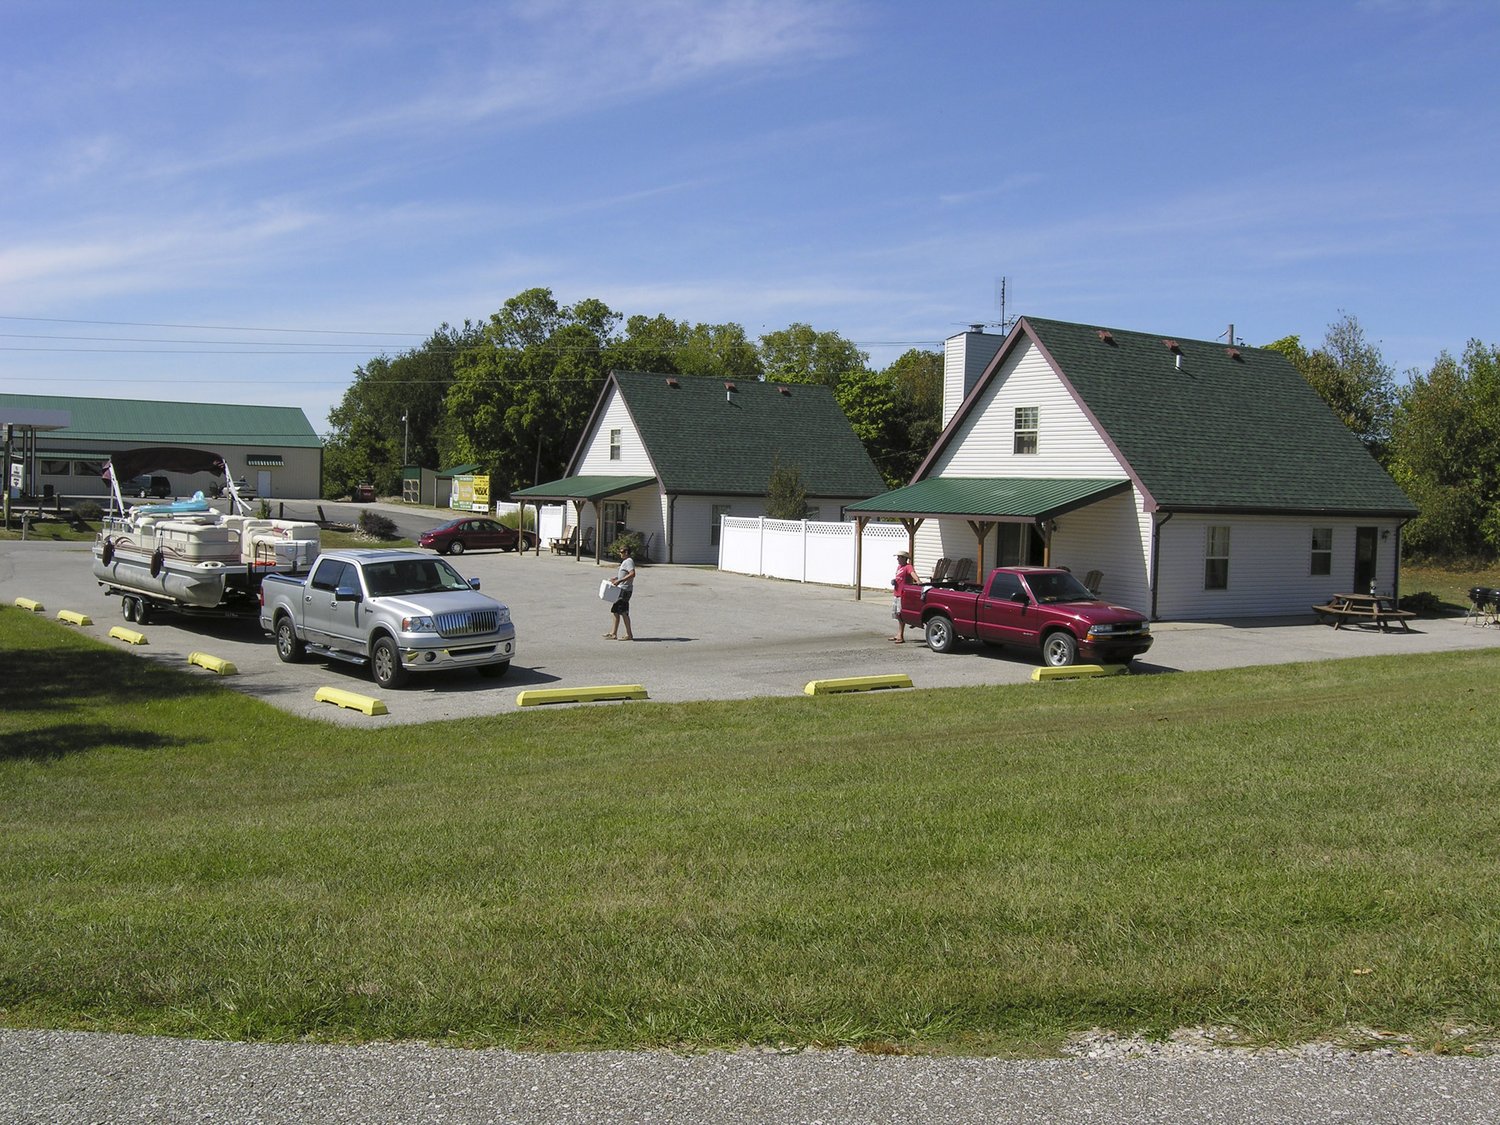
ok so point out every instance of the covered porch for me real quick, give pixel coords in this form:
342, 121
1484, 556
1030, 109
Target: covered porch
578, 491
984, 504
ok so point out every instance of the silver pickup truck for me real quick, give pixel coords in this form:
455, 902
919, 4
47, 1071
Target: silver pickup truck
397, 611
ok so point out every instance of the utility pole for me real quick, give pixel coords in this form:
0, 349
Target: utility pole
405, 438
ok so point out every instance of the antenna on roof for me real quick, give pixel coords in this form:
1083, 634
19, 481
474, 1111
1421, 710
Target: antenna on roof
1229, 337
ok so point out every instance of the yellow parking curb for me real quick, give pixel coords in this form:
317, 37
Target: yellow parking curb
73, 617
213, 663
535, 696
1079, 671
351, 700
28, 604
856, 683
129, 636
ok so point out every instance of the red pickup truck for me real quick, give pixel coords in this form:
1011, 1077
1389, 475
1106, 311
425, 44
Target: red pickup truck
1038, 608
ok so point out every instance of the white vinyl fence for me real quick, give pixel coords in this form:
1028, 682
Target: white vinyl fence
808, 551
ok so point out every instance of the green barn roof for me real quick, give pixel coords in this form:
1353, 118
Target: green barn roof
142, 421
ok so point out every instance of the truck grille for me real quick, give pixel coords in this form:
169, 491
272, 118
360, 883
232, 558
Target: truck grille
467, 623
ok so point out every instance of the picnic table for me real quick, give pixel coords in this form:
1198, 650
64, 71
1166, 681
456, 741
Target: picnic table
1363, 609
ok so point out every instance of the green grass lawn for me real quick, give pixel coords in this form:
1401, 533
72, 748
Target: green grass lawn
1295, 851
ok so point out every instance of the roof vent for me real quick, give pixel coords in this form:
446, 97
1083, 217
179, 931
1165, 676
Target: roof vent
1173, 346
786, 391
729, 391
1104, 334
1234, 353
673, 383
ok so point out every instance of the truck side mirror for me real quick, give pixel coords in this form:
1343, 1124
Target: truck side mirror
347, 594
473, 583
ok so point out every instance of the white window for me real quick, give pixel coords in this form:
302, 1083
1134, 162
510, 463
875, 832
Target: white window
614, 445
1027, 421
1321, 561
1216, 559
719, 512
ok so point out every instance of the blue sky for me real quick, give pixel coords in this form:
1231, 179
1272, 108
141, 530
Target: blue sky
243, 203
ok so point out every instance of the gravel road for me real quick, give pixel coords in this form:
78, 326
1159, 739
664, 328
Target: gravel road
70, 1077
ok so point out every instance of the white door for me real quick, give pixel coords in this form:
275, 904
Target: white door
263, 482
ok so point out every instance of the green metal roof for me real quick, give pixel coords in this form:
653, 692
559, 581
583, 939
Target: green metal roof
589, 488
143, 421
705, 439
990, 498
1232, 429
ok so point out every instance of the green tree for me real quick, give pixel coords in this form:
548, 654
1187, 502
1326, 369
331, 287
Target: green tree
367, 436
798, 354
896, 413
1446, 454
786, 495
1352, 377
522, 394
659, 343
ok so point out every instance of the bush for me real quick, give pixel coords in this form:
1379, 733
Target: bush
86, 510
377, 526
628, 544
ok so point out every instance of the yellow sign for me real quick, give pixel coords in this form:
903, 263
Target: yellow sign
471, 492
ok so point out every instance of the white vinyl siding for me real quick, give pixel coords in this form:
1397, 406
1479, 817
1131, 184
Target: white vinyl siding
1068, 443
1268, 567
596, 460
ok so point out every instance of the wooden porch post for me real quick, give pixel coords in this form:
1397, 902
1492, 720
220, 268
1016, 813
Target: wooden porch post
578, 523
981, 529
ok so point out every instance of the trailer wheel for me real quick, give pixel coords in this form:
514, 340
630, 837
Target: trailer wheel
127, 608
142, 611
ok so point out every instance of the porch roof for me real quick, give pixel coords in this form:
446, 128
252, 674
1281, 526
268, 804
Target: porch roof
995, 499
590, 488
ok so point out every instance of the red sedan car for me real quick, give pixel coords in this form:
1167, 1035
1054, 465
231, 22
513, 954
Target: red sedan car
475, 534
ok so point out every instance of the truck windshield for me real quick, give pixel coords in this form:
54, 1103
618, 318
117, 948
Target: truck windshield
412, 576
1058, 586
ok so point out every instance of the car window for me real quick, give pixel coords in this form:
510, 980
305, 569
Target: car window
412, 576
1005, 586
1058, 586
331, 574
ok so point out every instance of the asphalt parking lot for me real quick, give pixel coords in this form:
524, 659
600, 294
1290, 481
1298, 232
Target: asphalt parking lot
700, 634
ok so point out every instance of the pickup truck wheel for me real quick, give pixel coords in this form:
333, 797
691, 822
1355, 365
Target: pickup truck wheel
456, 547
940, 635
385, 664
494, 671
1059, 649
289, 646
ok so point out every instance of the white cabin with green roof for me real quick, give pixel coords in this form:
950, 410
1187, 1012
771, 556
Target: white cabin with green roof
668, 455
1201, 480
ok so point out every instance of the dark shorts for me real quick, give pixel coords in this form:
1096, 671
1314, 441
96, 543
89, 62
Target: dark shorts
621, 604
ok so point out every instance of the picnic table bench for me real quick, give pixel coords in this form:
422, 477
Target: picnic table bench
1363, 609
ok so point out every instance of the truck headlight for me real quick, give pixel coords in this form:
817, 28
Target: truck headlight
418, 625
504, 615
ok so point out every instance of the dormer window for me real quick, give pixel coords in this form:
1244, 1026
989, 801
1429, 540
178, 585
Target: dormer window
1028, 419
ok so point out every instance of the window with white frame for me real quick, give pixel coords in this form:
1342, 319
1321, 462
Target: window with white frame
1027, 420
1321, 560
715, 519
614, 445
1216, 558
